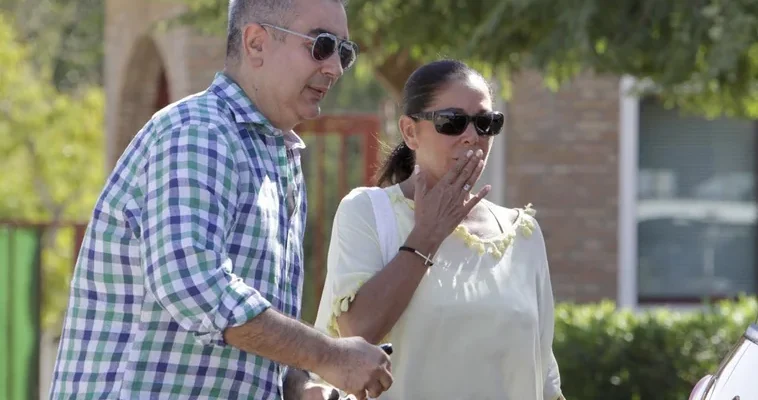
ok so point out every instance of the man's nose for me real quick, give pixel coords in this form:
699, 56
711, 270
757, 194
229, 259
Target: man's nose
332, 66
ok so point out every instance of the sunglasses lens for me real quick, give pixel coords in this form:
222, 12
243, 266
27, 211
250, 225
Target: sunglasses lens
326, 45
489, 124
497, 123
483, 123
347, 55
452, 124
323, 47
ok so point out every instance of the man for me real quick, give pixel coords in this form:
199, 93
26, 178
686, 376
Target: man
189, 280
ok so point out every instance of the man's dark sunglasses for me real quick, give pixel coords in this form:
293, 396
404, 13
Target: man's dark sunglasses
454, 123
326, 44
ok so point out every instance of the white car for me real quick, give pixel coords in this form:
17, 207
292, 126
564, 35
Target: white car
737, 376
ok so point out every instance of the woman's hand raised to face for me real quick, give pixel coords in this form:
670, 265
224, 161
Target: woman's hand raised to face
440, 208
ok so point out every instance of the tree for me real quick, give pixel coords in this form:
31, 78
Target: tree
701, 54
52, 143
64, 37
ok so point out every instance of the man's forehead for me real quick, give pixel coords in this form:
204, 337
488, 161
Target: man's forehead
322, 16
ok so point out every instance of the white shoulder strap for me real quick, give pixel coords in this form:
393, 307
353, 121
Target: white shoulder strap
386, 225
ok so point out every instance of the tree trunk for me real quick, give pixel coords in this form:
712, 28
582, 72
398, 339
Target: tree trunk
395, 70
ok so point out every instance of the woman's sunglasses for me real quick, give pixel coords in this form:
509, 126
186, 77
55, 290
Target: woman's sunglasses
454, 123
326, 44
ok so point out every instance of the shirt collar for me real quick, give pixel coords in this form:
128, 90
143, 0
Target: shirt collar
245, 111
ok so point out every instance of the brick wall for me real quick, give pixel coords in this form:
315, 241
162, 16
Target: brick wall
562, 156
136, 53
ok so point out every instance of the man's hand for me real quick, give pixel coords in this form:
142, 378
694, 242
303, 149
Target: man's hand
357, 367
351, 364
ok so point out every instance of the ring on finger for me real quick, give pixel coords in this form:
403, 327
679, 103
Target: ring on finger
466, 187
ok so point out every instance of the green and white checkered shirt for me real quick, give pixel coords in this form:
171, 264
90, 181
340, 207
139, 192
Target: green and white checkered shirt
199, 228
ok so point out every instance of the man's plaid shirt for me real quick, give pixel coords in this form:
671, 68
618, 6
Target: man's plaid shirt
199, 228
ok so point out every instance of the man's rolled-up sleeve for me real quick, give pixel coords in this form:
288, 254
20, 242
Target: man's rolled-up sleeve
190, 194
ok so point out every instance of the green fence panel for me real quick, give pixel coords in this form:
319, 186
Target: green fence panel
19, 312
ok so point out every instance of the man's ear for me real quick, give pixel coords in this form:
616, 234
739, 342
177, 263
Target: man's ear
409, 131
254, 36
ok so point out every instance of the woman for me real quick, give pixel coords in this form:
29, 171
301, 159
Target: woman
467, 301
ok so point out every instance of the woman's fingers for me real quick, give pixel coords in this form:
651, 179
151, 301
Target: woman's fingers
454, 173
472, 179
444, 206
470, 173
477, 198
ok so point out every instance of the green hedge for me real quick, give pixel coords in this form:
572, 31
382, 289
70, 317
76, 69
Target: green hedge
656, 354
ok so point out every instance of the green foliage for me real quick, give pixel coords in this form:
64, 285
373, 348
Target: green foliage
65, 38
701, 56
52, 145
356, 91
604, 353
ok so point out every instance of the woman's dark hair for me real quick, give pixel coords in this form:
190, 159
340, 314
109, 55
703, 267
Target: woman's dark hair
420, 90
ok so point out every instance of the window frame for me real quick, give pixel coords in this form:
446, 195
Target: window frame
627, 257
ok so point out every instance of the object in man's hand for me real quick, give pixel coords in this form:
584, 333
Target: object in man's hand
387, 347
317, 391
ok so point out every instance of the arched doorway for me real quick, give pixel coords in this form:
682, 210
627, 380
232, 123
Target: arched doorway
145, 90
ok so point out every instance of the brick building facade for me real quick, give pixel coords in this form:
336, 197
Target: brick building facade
562, 155
146, 67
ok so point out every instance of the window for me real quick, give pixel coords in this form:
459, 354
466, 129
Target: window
696, 206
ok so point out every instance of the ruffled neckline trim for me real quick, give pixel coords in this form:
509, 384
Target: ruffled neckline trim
497, 245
